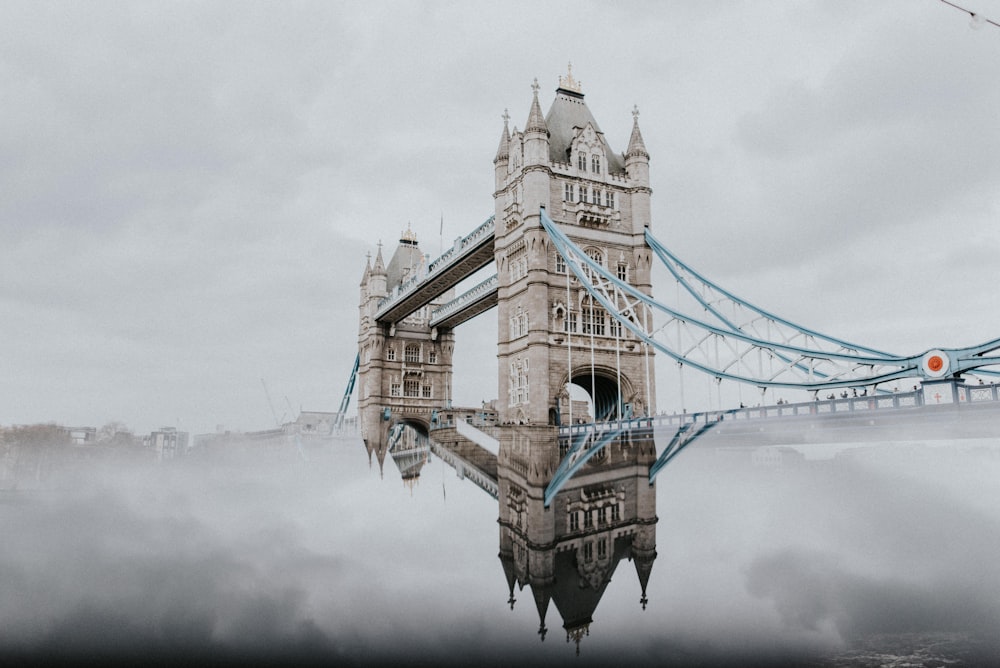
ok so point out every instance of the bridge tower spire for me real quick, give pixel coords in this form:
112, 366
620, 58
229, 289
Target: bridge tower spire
562, 162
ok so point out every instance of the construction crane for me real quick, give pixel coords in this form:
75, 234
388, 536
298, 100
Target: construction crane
277, 420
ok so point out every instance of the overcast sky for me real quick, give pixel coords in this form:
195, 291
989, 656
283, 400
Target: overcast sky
189, 189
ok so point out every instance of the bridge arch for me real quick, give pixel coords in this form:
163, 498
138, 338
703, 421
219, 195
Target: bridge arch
419, 424
600, 382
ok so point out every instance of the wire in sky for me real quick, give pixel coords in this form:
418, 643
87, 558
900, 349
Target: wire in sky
977, 19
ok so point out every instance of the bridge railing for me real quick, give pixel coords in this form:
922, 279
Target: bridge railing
967, 394
472, 295
449, 257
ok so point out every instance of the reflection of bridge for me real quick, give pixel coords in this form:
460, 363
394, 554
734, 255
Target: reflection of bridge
572, 245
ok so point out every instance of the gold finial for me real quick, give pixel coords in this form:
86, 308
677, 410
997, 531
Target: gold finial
569, 83
409, 235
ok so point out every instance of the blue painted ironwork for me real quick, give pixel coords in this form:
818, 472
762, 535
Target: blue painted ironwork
577, 456
685, 435
346, 401
721, 351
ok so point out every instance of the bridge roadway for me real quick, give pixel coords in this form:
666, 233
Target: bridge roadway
901, 416
470, 461
468, 255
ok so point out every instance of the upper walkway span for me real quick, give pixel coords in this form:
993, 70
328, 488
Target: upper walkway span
468, 255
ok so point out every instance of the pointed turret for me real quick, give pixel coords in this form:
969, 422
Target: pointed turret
536, 121
503, 150
542, 597
377, 287
637, 170
536, 134
502, 161
636, 147
368, 273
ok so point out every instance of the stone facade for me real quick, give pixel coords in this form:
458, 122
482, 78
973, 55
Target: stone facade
546, 321
405, 367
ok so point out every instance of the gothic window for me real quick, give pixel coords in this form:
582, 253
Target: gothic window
593, 318
518, 381
560, 264
609, 199
574, 521
596, 255
569, 324
588, 520
595, 164
395, 390
588, 551
622, 272
602, 548
411, 388
616, 514
426, 392
581, 162
519, 323
517, 262
614, 329
412, 352
390, 354
432, 357
568, 192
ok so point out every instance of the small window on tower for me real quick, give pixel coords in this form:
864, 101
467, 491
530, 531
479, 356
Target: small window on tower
595, 164
581, 162
568, 192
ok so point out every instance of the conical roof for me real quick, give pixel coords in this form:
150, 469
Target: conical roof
536, 122
503, 150
636, 147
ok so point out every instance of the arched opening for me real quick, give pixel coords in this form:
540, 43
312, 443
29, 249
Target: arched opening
599, 388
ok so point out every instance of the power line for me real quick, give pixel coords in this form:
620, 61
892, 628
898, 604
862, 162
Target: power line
977, 19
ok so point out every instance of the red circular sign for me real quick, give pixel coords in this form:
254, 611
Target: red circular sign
935, 363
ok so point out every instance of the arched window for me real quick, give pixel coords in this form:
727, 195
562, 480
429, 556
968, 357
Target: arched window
596, 255
595, 164
581, 162
412, 352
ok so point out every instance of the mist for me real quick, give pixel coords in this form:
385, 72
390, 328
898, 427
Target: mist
329, 557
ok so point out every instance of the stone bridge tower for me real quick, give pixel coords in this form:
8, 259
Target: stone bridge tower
405, 369
550, 331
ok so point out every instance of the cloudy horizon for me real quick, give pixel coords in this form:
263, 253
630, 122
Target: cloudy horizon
191, 190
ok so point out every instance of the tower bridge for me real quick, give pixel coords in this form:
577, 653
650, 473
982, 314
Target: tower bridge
572, 243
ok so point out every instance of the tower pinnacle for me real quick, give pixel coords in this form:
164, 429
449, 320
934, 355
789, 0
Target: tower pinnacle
536, 121
569, 83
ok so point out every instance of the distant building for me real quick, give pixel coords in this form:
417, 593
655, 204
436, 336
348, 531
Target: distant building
167, 443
